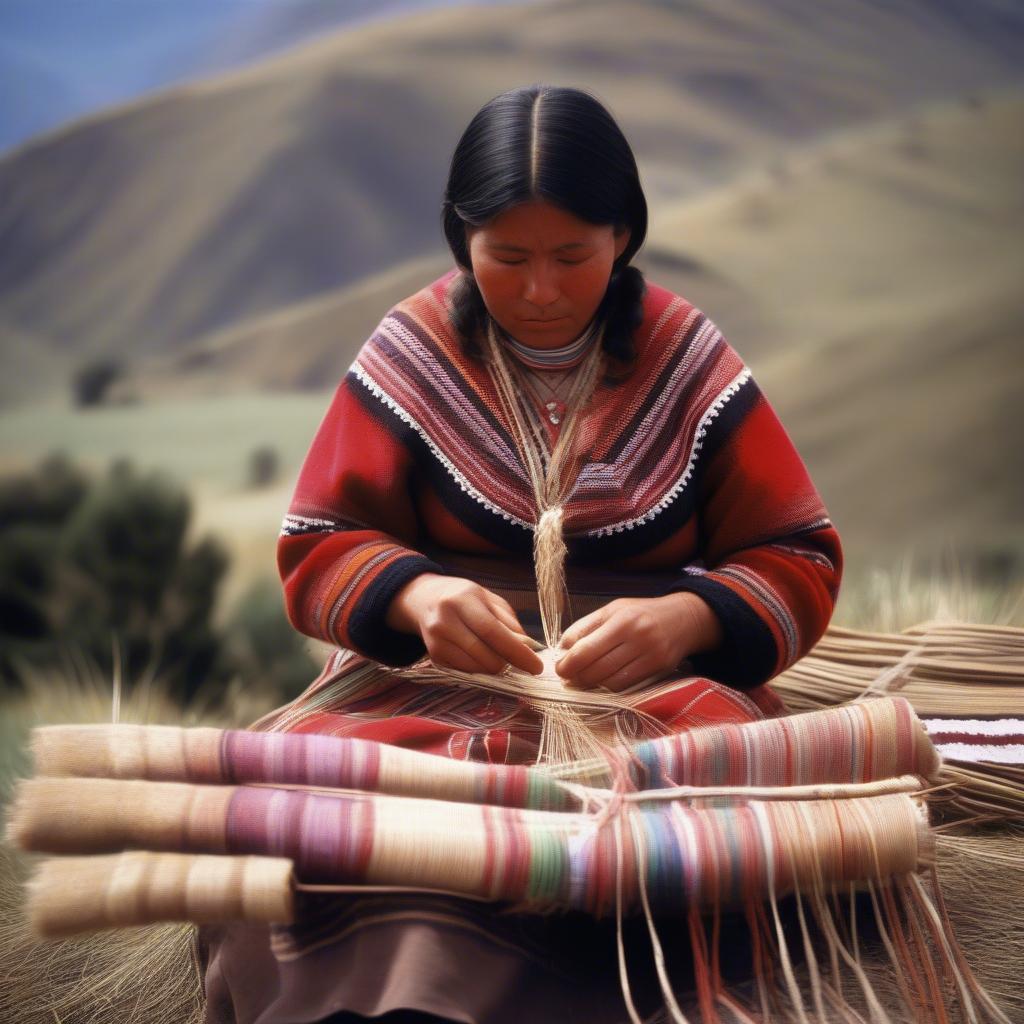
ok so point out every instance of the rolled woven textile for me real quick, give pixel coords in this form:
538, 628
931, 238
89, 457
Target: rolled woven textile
861, 742
733, 848
858, 742
174, 754
70, 895
744, 815
960, 678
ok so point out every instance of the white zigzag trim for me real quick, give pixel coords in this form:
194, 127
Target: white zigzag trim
698, 441
464, 485
300, 524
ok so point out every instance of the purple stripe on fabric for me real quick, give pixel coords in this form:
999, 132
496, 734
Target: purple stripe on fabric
328, 837
300, 759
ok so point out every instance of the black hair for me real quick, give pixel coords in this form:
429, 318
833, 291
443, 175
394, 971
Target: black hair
561, 145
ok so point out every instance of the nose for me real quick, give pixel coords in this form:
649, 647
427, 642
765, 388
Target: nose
541, 288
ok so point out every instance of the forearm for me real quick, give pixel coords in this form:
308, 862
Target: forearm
347, 545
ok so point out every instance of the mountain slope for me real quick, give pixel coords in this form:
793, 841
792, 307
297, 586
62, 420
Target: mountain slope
871, 282
884, 274
133, 231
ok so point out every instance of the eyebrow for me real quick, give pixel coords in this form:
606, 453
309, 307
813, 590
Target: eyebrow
506, 247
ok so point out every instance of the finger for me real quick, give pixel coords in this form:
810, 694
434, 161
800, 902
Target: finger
490, 660
589, 648
629, 674
505, 612
508, 615
581, 627
478, 655
447, 654
604, 667
500, 639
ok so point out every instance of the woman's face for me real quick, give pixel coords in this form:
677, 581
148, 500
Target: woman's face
542, 271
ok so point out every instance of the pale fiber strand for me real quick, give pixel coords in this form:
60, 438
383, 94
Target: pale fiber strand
551, 481
566, 734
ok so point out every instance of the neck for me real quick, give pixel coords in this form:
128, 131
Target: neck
559, 358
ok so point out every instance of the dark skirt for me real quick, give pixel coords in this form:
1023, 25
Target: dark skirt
461, 960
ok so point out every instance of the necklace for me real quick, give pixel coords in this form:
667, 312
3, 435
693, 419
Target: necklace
552, 477
548, 391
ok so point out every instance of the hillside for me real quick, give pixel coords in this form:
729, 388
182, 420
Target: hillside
888, 337
886, 334
884, 272
204, 206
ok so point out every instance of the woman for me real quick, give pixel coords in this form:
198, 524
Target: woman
697, 549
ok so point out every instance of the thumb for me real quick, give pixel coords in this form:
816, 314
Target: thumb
581, 627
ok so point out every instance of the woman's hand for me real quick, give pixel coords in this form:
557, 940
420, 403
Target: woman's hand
632, 638
463, 624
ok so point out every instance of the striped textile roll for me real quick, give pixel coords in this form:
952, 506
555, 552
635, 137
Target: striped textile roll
68, 895
717, 847
860, 742
204, 755
869, 740
959, 677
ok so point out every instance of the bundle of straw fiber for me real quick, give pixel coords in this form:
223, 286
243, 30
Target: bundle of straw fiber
965, 681
157, 823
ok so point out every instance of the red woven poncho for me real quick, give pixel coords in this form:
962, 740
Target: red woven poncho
691, 483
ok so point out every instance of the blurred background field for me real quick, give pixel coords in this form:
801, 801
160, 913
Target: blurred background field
206, 208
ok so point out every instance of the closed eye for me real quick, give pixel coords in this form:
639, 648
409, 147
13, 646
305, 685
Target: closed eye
516, 263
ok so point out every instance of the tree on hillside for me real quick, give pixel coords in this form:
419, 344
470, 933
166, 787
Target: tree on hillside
33, 509
92, 381
90, 567
264, 465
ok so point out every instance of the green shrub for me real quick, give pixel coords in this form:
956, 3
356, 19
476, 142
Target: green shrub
269, 654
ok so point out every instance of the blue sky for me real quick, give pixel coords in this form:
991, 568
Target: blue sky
60, 59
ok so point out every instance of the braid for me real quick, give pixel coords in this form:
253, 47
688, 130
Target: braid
623, 310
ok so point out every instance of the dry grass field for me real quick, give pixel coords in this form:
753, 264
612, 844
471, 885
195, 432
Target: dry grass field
147, 975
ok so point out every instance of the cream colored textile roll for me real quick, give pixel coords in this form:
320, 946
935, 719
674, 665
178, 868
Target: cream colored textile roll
69, 895
178, 754
99, 815
141, 752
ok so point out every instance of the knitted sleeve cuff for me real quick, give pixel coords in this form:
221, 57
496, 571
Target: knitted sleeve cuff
748, 654
368, 630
